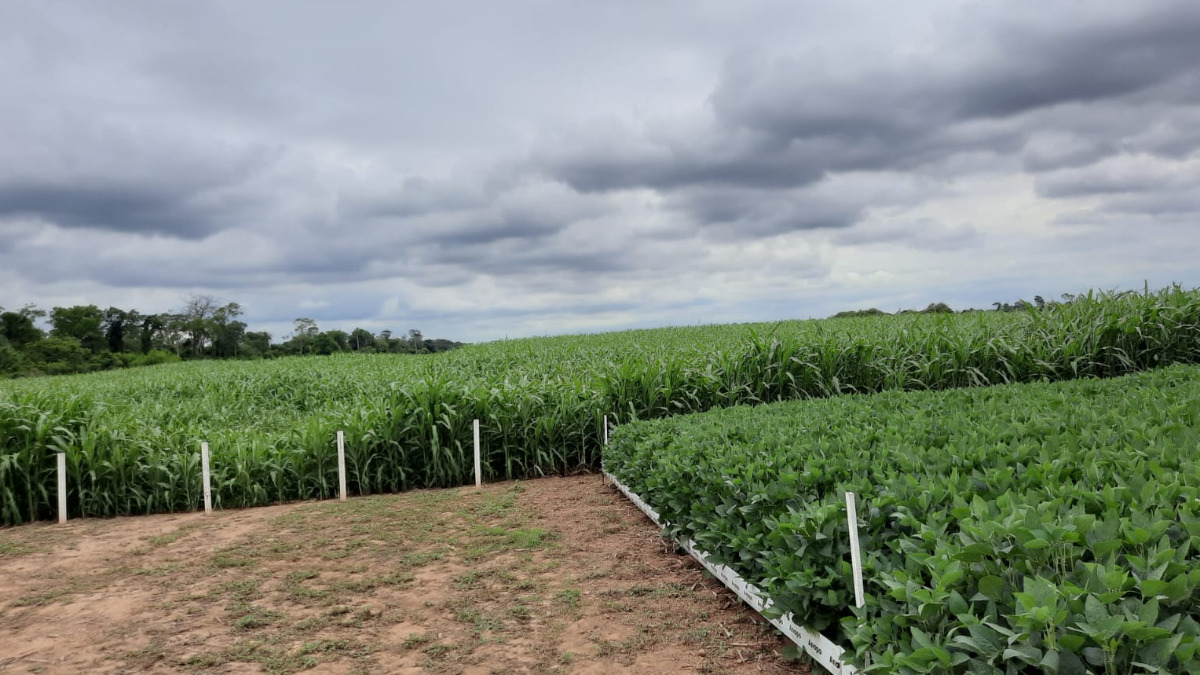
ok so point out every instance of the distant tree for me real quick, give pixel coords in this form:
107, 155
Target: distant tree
416, 342
19, 328
81, 323
84, 338
227, 331
324, 343
195, 319
174, 333
937, 308
1018, 306
361, 340
114, 322
340, 338
150, 326
305, 329
859, 312
439, 345
256, 344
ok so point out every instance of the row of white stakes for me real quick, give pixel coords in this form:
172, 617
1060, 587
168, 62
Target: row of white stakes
851, 511
206, 479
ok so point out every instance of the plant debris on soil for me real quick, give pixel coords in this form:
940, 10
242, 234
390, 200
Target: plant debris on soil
551, 575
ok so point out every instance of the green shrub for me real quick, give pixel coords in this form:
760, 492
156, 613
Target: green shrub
154, 358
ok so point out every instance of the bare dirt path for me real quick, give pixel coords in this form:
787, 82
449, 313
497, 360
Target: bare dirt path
551, 575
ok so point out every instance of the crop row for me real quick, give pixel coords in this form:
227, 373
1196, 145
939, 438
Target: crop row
1013, 529
132, 436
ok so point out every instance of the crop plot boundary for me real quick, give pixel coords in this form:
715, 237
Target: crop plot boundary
822, 650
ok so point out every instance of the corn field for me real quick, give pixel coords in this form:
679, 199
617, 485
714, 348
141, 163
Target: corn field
132, 437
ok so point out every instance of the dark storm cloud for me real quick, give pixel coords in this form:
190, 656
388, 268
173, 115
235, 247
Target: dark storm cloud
526, 226
599, 158
755, 213
473, 211
791, 121
123, 208
635, 149
81, 174
518, 257
988, 71
1084, 61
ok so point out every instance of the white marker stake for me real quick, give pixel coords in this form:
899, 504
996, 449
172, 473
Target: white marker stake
855, 553
478, 473
62, 487
603, 473
341, 440
207, 480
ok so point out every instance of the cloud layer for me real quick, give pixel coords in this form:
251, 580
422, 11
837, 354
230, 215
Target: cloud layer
548, 169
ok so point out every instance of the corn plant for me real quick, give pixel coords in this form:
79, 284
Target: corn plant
132, 437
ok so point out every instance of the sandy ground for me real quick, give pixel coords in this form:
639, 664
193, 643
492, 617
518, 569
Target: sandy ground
551, 575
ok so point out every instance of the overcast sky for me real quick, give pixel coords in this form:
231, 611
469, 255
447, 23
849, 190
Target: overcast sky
482, 170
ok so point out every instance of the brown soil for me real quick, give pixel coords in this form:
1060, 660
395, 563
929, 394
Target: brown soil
552, 575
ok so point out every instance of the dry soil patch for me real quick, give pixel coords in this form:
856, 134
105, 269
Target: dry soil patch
551, 575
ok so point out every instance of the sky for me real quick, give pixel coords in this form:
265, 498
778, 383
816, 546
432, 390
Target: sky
488, 170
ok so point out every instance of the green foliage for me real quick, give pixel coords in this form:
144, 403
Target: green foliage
326, 343
85, 339
859, 312
1013, 529
154, 357
12, 362
18, 327
59, 355
271, 424
80, 323
361, 340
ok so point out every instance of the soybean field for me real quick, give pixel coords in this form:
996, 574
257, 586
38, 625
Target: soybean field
131, 437
1028, 528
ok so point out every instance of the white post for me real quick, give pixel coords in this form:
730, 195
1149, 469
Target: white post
207, 480
478, 474
341, 442
62, 487
603, 475
855, 552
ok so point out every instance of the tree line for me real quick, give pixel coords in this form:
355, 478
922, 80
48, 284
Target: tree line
942, 308
84, 338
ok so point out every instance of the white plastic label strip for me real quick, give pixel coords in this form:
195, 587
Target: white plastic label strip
822, 650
